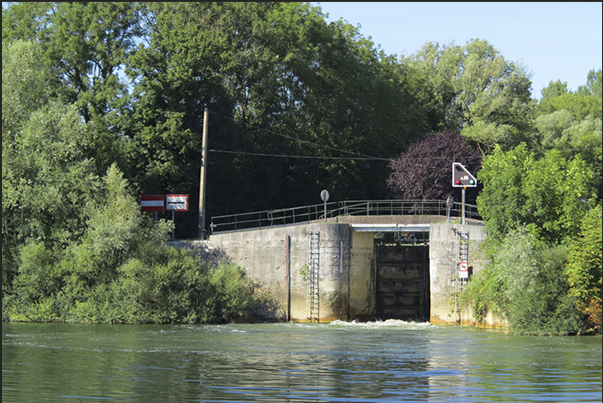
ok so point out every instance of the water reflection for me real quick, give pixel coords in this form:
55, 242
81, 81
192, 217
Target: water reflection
388, 361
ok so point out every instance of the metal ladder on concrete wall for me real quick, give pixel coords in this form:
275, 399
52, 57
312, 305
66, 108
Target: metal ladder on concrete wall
314, 271
462, 255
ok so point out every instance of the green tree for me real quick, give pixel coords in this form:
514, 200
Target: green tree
584, 268
571, 123
47, 178
277, 80
594, 84
561, 131
548, 195
478, 91
27, 85
86, 46
122, 271
578, 104
584, 102
554, 89
114, 229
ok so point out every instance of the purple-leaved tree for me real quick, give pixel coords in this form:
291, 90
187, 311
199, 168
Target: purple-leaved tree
425, 170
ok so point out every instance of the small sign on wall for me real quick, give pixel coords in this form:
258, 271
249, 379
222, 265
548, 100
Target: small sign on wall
463, 270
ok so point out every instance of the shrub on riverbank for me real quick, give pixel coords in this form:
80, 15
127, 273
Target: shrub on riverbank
122, 271
584, 269
527, 283
167, 286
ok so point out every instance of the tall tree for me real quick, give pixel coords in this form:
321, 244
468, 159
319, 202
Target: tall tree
554, 89
86, 44
578, 104
586, 101
594, 84
47, 178
548, 195
571, 123
479, 92
278, 81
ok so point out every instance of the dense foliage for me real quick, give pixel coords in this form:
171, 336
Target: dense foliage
103, 103
477, 91
545, 195
549, 195
275, 77
525, 284
423, 172
75, 246
121, 271
584, 268
533, 209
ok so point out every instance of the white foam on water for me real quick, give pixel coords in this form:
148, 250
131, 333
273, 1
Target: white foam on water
389, 323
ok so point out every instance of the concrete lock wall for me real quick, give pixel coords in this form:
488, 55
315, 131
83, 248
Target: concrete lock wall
362, 277
263, 254
443, 272
347, 267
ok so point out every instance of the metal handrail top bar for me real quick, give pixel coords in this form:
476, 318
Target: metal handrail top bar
293, 215
273, 211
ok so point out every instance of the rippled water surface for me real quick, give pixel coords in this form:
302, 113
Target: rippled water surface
390, 361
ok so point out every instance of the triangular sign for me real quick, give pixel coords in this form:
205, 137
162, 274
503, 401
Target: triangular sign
461, 177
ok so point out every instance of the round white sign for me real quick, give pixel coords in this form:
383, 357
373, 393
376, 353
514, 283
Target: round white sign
324, 195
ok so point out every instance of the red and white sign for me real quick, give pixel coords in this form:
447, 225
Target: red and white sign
151, 203
176, 203
463, 270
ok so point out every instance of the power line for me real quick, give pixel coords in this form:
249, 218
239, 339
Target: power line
329, 158
313, 157
358, 156
364, 156
299, 156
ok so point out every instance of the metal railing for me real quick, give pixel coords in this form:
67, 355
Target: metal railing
304, 214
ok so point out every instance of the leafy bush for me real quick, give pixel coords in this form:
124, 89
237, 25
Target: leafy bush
168, 286
526, 284
123, 272
584, 268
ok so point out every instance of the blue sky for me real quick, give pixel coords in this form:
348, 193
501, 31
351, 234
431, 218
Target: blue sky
554, 41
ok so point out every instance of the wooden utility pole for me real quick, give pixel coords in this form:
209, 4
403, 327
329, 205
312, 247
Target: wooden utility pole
201, 225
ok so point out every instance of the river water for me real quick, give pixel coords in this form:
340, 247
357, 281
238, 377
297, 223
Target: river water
390, 361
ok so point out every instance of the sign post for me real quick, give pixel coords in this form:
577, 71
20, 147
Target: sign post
175, 203
461, 177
